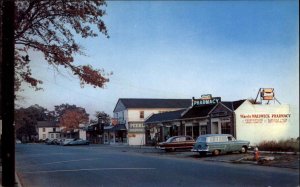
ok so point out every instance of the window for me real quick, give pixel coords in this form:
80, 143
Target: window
44, 136
44, 130
203, 129
225, 127
52, 135
54, 129
142, 114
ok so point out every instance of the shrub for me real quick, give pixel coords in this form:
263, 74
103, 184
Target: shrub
291, 145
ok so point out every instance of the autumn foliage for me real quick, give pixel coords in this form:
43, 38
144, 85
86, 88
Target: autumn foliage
72, 118
49, 27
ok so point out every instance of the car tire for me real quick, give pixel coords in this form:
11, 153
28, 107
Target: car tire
244, 149
216, 152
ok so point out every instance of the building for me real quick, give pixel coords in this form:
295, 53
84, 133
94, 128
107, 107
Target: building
48, 130
131, 114
244, 120
258, 123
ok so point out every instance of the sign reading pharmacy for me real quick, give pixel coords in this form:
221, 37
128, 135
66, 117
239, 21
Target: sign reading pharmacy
206, 100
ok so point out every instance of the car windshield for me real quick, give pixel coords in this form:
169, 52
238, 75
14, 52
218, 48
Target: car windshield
170, 139
201, 139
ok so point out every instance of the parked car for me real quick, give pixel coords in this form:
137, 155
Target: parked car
66, 141
52, 142
219, 143
77, 141
18, 141
177, 142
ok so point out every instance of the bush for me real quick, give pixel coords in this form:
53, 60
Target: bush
291, 145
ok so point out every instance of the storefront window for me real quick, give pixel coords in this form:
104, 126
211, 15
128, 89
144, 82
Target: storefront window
195, 131
203, 130
225, 128
189, 131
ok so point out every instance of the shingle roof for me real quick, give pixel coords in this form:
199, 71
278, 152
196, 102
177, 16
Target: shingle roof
165, 116
198, 111
156, 103
47, 124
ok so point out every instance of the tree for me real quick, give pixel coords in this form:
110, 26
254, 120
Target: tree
26, 120
102, 117
71, 118
50, 27
59, 110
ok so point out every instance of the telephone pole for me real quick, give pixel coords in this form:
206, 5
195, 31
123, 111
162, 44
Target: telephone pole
7, 91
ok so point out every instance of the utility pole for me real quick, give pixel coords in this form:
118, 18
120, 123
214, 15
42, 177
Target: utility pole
7, 91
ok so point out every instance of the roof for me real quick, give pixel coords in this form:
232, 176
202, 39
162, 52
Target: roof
198, 111
47, 124
210, 135
155, 103
165, 116
118, 127
233, 105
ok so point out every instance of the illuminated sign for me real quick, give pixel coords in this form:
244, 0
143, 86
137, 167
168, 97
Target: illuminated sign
206, 100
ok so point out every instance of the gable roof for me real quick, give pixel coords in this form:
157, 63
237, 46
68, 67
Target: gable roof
154, 103
198, 111
165, 116
233, 105
47, 124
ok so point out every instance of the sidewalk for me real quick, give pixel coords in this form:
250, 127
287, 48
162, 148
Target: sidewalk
18, 184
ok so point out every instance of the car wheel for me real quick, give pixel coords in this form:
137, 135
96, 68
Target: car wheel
244, 149
216, 152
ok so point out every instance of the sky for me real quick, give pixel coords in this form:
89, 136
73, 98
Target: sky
182, 49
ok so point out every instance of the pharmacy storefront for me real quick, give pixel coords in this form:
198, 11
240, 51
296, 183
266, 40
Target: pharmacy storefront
258, 122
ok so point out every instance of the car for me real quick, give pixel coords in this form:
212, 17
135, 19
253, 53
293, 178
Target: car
18, 141
177, 142
51, 141
77, 141
219, 143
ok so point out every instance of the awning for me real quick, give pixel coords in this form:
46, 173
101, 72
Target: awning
118, 127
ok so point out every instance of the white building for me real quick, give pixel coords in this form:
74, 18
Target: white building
131, 113
48, 130
257, 122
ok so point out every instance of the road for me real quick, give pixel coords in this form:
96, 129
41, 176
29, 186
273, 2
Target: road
49, 165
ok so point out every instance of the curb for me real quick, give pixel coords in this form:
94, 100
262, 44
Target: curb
275, 152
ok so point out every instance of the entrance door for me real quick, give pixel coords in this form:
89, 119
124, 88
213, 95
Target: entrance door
215, 127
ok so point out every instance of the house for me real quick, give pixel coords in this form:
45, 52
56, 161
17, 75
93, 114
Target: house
48, 130
131, 114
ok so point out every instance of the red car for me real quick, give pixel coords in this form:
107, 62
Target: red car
177, 142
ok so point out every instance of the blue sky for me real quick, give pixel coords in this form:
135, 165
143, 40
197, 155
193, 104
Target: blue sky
183, 49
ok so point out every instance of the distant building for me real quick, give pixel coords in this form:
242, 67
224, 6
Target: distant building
48, 130
131, 114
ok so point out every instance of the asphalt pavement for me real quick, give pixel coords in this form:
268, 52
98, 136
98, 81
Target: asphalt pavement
104, 165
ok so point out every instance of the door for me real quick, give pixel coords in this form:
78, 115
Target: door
215, 127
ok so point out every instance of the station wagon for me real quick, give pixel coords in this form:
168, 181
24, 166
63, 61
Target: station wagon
219, 143
177, 142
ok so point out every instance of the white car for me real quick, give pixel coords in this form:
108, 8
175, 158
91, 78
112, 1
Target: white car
66, 141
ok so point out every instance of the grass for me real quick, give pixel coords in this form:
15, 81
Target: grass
291, 145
